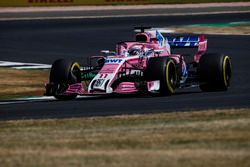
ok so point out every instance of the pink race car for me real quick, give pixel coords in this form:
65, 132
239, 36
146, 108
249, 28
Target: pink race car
145, 65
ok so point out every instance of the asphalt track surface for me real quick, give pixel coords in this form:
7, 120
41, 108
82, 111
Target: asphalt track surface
43, 41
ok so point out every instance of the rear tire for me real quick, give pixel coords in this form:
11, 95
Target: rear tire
62, 73
215, 72
163, 69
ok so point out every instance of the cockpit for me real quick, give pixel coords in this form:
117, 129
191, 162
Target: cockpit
140, 50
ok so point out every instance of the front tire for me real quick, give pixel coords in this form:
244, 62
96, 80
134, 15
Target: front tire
64, 72
215, 72
163, 69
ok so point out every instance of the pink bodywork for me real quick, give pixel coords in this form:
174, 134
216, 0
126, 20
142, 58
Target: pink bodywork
132, 62
202, 48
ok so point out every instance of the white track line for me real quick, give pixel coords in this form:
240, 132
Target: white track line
19, 65
40, 99
33, 67
12, 102
37, 98
28, 99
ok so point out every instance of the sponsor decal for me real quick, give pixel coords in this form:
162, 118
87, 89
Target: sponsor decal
88, 76
183, 41
136, 72
50, 1
113, 61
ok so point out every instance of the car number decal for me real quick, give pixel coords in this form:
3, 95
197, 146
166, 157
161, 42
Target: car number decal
98, 82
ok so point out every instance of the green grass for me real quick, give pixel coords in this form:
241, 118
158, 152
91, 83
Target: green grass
233, 29
20, 83
206, 138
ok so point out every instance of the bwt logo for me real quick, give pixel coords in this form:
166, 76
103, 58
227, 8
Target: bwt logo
113, 61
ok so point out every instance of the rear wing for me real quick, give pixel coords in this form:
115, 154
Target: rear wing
186, 41
199, 42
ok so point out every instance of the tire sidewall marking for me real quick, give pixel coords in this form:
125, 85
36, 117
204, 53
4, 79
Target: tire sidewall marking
167, 76
74, 65
226, 58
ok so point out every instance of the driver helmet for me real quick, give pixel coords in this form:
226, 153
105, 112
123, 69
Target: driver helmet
135, 51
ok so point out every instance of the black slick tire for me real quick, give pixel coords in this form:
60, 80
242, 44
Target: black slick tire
215, 72
163, 69
64, 72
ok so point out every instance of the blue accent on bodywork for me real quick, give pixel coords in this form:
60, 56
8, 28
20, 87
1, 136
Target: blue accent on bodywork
190, 41
113, 61
160, 38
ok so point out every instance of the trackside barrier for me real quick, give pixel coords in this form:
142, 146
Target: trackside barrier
16, 3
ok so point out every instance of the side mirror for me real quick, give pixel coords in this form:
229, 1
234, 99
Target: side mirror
158, 51
108, 52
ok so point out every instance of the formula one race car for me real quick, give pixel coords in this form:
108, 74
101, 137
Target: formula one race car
145, 65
